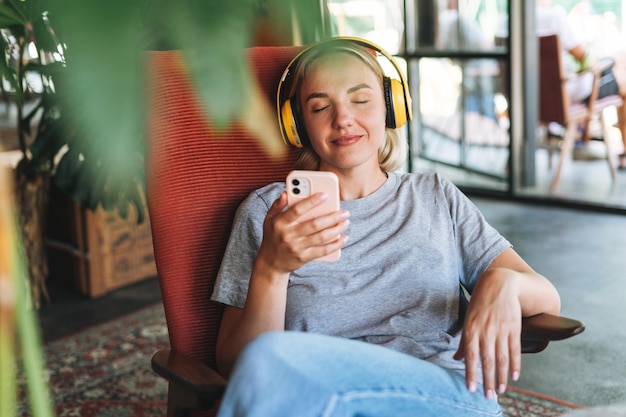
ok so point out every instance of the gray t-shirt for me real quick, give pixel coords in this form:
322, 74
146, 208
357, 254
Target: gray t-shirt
396, 284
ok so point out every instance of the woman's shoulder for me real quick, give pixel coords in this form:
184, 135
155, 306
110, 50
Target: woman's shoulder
425, 184
423, 179
273, 190
265, 195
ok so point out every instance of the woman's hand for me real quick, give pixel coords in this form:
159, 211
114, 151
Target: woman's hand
492, 331
289, 243
507, 291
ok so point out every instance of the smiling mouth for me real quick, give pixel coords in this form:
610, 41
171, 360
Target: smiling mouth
346, 140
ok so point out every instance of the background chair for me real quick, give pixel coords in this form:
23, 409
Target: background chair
196, 177
555, 105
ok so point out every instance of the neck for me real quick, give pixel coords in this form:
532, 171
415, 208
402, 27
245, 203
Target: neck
354, 185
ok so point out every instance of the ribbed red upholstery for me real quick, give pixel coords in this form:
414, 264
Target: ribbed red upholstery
196, 178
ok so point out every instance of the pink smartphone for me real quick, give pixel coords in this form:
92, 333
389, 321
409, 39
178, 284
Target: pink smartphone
302, 184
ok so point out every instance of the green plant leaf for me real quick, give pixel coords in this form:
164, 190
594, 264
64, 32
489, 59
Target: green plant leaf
10, 15
84, 189
123, 203
7, 70
137, 199
44, 35
92, 101
97, 187
218, 67
103, 75
67, 170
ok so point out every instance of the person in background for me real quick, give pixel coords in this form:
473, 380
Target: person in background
380, 331
577, 57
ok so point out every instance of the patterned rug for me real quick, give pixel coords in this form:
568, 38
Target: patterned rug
104, 371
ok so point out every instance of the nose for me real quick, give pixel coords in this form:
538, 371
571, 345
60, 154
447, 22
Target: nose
343, 117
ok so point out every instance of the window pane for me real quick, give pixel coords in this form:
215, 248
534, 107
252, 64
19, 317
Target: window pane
460, 25
380, 21
459, 69
463, 116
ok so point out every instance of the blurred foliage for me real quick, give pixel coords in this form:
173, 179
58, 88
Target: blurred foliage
83, 121
89, 114
20, 339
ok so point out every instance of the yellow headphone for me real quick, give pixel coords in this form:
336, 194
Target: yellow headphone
396, 92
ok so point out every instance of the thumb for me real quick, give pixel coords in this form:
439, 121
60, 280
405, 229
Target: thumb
279, 205
276, 208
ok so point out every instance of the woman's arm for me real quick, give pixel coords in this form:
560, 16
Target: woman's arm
287, 245
508, 290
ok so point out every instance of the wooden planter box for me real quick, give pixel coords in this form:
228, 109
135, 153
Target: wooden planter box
95, 252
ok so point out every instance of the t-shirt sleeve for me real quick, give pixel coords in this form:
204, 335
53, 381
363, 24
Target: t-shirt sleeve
231, 284
478, 243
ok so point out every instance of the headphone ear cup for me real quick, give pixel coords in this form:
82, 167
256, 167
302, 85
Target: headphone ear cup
290, 126
390, 118
398, 99
395, 102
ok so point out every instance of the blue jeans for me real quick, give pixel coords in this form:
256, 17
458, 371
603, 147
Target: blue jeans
295, 374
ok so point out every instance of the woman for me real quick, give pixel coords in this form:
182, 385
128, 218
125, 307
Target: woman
379, 331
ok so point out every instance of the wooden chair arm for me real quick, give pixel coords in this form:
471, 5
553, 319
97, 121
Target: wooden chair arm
540, 329
193, 384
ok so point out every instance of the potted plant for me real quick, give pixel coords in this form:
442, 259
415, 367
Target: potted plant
61, 142
32, 57
54, 145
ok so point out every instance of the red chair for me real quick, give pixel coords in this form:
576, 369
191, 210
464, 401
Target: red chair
196, 178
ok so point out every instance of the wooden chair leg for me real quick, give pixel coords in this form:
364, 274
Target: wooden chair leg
606, 131
621, 122
176, 407
566, 151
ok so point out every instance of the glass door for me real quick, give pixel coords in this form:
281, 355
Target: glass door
458, 52
456, 62
474, 78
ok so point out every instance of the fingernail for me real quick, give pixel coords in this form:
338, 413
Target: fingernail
322, 196
501, 388
345, 214
472, 386
489, 394
515, 376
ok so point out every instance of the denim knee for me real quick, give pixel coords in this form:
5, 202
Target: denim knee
266, 345
263, 356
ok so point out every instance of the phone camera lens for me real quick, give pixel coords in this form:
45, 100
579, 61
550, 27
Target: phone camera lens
296, 191
295, 182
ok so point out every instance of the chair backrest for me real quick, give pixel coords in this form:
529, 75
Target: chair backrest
553, 99
196, 178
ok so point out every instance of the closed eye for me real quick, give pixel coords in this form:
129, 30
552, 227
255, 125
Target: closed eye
362, 95
319, 109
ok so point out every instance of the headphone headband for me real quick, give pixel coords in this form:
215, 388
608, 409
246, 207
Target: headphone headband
397, 93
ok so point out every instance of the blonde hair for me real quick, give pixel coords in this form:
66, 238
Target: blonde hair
393, 151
